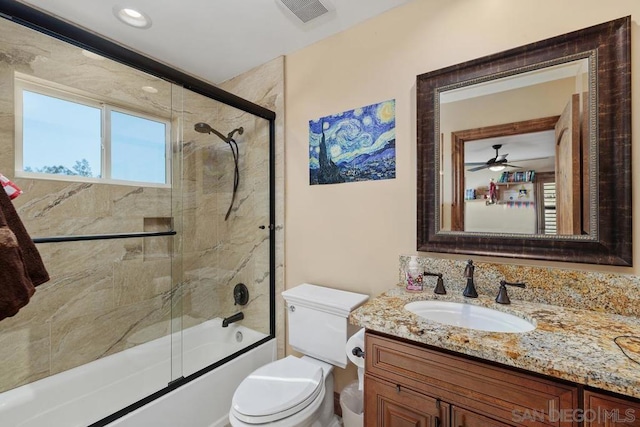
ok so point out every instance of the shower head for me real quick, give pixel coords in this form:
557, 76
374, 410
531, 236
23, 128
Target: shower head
202, 128
205, 128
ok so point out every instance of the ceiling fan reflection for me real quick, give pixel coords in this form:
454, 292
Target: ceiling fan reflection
497, 163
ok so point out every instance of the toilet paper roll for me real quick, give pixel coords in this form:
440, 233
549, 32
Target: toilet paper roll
356, 340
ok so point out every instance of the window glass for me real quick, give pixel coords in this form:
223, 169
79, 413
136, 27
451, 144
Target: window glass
60, 137
62, 134
138, 148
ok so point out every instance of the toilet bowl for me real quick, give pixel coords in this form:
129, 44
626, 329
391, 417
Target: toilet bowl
285, 393
298, 391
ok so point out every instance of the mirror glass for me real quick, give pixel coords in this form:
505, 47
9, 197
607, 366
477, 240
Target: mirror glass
518, 151
526, 153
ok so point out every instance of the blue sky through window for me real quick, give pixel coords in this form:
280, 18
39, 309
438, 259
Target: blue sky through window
138, 148
57, 132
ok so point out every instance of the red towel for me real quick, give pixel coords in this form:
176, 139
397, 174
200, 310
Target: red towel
21, 267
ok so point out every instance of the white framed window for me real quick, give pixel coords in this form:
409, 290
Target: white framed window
65, 134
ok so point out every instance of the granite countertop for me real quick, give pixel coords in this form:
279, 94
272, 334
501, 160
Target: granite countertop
571, 344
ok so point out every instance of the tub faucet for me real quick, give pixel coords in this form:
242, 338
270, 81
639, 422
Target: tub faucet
232, 319
470, 290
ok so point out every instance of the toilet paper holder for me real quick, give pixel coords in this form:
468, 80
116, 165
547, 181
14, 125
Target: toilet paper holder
354, 352
354, 348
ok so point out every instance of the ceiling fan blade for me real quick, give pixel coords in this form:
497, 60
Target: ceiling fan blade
535, 158
478, 168
506, 165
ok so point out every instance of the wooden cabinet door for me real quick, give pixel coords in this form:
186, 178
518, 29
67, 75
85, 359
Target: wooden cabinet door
463, 418
601, 410
391, 405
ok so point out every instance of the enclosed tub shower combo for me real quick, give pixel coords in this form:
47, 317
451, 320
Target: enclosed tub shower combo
150, 196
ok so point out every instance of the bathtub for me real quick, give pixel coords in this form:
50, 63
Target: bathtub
88, 393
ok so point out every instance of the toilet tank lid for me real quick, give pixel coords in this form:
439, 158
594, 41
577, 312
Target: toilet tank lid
329, 300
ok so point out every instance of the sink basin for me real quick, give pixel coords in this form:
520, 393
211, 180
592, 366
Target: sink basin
469, 316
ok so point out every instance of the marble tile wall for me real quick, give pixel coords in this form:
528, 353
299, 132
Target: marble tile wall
219, 253
264, 85
603, 292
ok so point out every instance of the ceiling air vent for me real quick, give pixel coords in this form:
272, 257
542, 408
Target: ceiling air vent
305, 10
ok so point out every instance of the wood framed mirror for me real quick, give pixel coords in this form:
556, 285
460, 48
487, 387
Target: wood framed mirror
527, 153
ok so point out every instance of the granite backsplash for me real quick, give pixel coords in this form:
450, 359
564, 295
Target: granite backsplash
604, 292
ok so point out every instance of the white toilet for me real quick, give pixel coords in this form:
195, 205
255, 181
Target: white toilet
298, 391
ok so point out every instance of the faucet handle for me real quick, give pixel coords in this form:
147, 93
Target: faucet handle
439, 289
468, 270
503, 296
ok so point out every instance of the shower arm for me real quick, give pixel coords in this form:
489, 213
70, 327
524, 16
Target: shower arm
221, 136
239, 130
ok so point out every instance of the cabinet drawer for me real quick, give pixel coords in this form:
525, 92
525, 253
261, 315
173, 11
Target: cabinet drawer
504, 394
391, 405
463, 418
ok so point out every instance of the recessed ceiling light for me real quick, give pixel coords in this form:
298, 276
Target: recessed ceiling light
133, 17
149, 89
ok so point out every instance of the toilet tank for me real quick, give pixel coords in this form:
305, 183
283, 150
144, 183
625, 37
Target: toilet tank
318, 321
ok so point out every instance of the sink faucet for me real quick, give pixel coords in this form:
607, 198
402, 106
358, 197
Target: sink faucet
231, 319
439, 289
470, 290
503, 296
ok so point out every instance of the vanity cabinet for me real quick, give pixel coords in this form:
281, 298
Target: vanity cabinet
601, 410
411, 385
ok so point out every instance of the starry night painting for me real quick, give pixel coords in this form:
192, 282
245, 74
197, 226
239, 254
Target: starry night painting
357, 145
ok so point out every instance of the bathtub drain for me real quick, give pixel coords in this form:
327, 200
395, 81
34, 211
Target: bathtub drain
239, 336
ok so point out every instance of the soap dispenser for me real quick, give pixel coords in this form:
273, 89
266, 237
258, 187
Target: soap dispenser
414, 275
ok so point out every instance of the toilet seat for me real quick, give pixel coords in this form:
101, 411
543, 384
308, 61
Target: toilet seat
277, 390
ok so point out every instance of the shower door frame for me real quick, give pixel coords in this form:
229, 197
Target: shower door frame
54, 27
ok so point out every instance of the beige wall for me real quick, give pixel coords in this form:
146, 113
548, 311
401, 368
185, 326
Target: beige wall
349, 236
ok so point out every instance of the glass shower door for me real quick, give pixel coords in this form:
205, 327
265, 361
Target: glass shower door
225, 232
